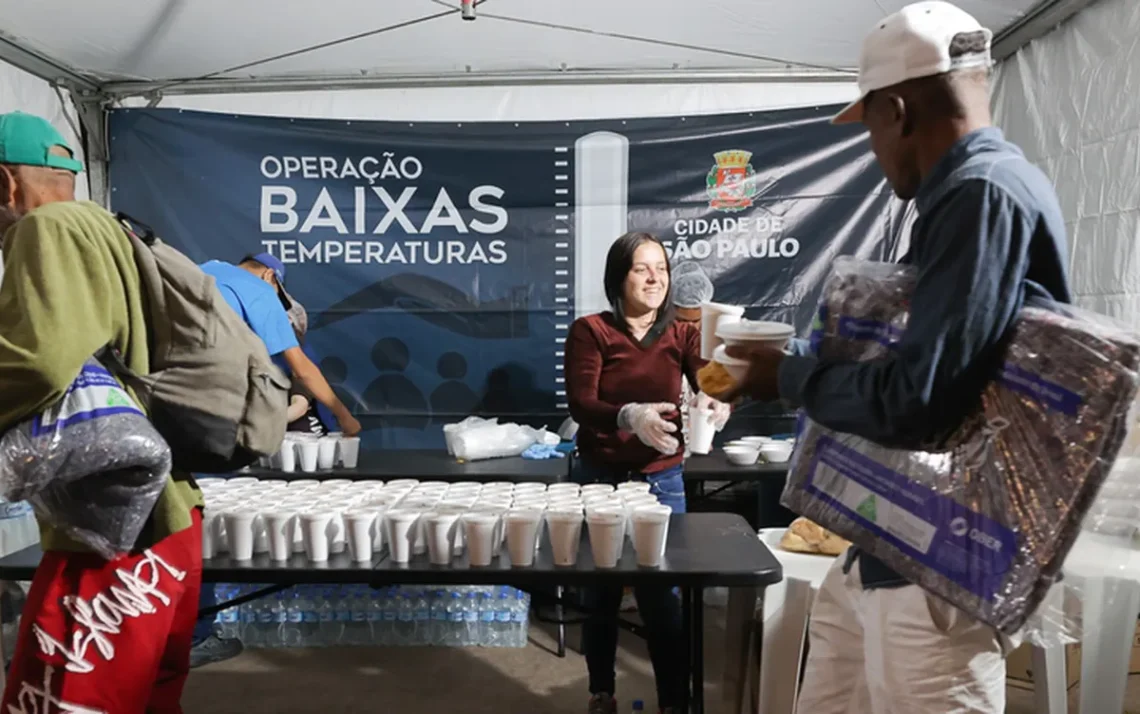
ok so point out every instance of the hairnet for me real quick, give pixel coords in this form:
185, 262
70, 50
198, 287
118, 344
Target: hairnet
691, 286
298, 318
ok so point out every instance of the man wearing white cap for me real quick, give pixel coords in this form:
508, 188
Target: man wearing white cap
989, 238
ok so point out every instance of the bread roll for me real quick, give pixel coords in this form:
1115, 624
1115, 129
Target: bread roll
714, 379
804, 536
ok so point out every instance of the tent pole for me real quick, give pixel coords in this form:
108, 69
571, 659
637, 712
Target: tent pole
93, 117
122, 90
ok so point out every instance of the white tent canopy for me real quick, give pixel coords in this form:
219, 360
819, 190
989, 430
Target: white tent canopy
178, 46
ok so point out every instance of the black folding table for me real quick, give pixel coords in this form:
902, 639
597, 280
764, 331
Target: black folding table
703, 550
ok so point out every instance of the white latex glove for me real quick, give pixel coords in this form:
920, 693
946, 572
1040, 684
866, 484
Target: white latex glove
720, 411
646, 423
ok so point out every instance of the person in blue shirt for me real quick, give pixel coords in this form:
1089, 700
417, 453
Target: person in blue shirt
989, 239
255, 290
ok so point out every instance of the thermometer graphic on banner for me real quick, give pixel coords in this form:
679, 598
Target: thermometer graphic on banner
601, 212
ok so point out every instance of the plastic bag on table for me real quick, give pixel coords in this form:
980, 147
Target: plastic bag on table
496, 441
91, 464
983, 516
471, 422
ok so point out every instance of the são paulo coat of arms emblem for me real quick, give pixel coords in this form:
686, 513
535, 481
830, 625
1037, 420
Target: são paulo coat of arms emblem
729, 182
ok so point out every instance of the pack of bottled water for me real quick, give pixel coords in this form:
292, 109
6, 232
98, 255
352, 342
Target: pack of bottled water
357, 615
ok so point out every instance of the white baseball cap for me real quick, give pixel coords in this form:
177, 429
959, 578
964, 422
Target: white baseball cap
914, 42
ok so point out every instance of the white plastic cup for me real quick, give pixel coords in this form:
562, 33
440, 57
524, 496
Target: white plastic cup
565, 529
243, 481
522, 532
338, 536
303, 484
287, 456
401, 533
607, 536
484, 538
442, 533
419, 543
336, 484
403, 483
209, 533
348, 451
326, 453
309, 451
650, 532
597, 488
260, 537
280, 527
631, 487
239, 529
713, 314
378, 525
528, 487
641, 500
701, 430
465, 486
359, 524
559, 489
315, 526
499, 486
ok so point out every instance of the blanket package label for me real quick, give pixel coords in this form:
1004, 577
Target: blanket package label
966, 547
93, 394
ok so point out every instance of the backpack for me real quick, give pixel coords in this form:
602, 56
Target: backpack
212, 391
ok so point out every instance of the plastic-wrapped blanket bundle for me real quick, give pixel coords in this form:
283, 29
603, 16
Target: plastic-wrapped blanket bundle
985, 518
91, 464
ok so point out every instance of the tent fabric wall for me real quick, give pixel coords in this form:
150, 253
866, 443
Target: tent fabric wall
27, 93
522, 102
1069, 100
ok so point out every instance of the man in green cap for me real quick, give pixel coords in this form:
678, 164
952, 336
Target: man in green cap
96, 635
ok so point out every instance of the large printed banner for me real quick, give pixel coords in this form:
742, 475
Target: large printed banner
442, 263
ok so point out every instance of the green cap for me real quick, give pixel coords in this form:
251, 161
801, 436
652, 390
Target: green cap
27, 140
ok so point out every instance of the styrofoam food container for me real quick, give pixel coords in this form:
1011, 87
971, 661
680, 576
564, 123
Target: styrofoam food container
741, 455
745, 332
736, 368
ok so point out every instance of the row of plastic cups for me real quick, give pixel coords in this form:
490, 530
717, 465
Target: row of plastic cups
309, 453
486, 529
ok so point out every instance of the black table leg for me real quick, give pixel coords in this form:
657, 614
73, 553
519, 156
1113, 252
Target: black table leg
697, 622
560, 615
686, 625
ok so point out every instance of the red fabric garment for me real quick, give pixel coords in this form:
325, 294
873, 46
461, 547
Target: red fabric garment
607, 369
108, 637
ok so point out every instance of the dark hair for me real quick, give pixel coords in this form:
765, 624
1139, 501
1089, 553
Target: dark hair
619, 261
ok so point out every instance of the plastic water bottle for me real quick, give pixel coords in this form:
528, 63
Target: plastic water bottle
487, 634
503, 618
638, 705
248, 615
266, 622
291, 634
229, 620
359, 631
326, 617
342, 597
376, 634
471, 619
437, 609
391, 609
421, 634
520, 614
406, 622
310, 618
455, 627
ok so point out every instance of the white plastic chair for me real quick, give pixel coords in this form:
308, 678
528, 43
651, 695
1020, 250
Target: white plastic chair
787, 607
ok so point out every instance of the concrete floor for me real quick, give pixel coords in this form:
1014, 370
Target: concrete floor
471, 680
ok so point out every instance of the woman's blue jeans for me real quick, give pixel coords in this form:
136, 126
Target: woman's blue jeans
658, 605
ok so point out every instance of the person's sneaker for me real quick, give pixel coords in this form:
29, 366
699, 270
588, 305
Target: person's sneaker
602, 704
214, 649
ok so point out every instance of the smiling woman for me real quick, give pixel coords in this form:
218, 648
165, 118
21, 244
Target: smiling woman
623, 382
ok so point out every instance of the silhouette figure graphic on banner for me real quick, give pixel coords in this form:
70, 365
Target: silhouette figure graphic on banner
393, 400
336, 372
511, 395
452, 399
